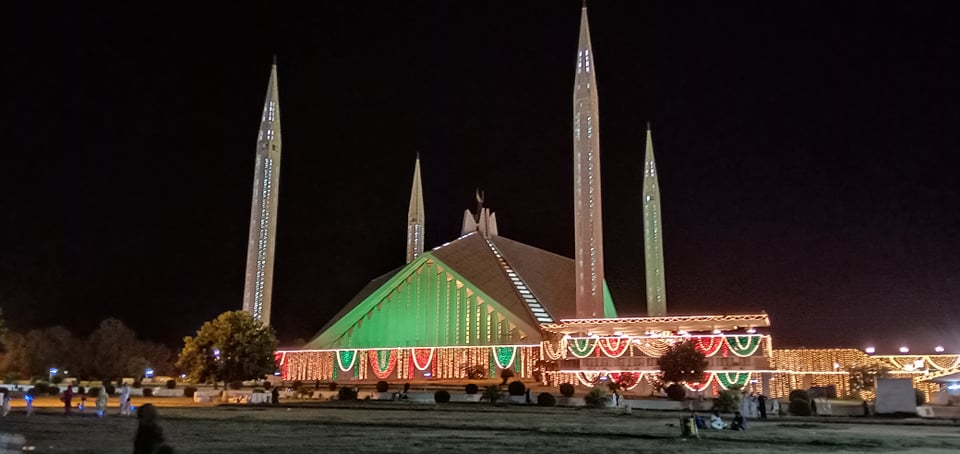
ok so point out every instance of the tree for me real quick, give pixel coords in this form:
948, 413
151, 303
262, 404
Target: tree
231, 347
863, 377
682, 363
111, 351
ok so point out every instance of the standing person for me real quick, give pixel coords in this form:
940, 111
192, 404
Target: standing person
102, 401
149, 435
762, 405
866, 408
125, 400
813, 406
28, 398
66, 398
275, 395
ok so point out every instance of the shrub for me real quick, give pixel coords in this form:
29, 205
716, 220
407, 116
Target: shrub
297, 384
332, 386
596, 398
516, 389
109, 387
567, 390
491, 393
382, 386
472, 388
727, 400
506, 374
441, 396
57, 379
81, 390
267, 385
346, 393
171, 384
546, 400
147, 392
93, 391
53, 390
10, 377
475, 372
259, 390
676, 392
189, 390
236, 384
800, 407
799, 394
136, 383
41, 387
921, 397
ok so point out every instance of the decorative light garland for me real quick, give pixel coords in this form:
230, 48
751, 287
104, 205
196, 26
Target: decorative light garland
581, 348
743, 346
419, 354
606, 346
588, 379
351, 356
708, 345
702, 384
653, 347
376, 362
546, 348
728, 379
504, 356
937, 366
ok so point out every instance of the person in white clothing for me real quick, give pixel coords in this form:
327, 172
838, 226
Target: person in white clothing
125, 400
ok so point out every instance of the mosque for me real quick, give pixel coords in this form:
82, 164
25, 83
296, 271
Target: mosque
482, 302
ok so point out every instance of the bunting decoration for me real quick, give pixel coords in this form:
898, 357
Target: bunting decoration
504, 356
581, 348
382, 362
708, 345
743, 346
346, 356
422, 357
728, 379
614, 347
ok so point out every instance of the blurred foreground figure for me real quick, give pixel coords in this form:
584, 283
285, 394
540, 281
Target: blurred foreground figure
149, 438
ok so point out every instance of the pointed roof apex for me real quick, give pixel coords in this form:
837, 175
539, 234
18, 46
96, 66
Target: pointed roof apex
274, 59
648, 125
584, 4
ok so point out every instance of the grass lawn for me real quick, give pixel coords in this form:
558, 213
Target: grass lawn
405, 427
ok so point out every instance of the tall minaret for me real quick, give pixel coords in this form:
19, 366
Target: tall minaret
652, 235
415, 219
263, 211
586, 186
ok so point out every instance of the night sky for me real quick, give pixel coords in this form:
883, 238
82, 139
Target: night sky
807, 154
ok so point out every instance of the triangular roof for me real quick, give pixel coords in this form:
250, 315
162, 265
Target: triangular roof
525, 285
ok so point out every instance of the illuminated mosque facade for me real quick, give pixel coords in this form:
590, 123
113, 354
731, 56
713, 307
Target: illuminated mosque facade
484, 302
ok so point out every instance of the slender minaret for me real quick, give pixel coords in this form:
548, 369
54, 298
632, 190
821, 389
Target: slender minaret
263, 211
586, 186
415, 219
652, 235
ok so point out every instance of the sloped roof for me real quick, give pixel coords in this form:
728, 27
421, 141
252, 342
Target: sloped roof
550, 276
367, 290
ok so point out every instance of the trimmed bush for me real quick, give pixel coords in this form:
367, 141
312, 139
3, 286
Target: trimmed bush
53, 390
81, 390
332, 386
506, 374
727, 401
382, 386
236, 384
267, 385
516, 389
799, 394
441, 396
596, 398
147, 392
171, 384
346, 393
57, 379
109, 387
567, 390
676, 392
93, 391
472, 389
800, 407
189, 390
136, 383
546, 400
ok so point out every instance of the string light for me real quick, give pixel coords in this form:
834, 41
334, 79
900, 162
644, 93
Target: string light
422, 357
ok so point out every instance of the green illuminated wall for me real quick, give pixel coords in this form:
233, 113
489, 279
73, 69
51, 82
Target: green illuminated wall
426, 304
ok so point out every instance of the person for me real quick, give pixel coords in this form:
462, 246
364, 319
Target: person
82, 404
149, 436
716, 422
28, 398
6, 402
125, 400
866, 408
275, 395
102, 401
66, 398
406, 389
762, 405
698, 420
739, 422
813, 406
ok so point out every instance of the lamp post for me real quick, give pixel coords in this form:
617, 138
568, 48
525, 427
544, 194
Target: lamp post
53, 371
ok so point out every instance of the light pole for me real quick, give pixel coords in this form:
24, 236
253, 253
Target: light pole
53, 371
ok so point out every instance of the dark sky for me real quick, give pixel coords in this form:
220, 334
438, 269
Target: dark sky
806, 150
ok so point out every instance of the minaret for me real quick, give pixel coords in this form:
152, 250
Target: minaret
415, 219
263, 211
586, 187
653, 236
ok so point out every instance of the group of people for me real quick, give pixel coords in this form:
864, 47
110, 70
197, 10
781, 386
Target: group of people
716, 422
126, 405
